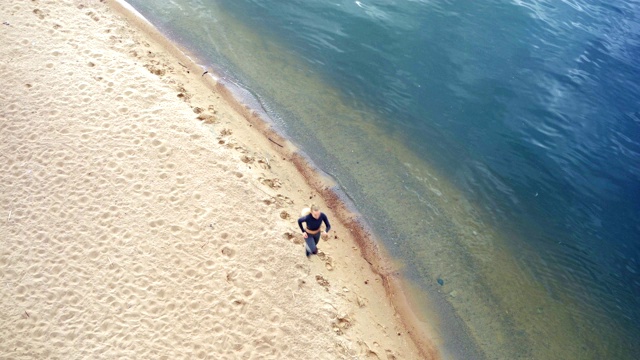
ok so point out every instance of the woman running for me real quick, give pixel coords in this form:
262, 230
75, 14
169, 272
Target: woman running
314, 220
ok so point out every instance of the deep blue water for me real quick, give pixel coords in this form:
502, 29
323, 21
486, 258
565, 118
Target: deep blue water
521, 123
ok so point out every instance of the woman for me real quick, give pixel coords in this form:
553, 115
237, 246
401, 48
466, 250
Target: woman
314, 219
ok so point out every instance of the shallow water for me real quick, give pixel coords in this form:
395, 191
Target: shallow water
492, 145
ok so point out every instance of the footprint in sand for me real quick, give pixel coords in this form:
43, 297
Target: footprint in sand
258, 274
301, 283
208, 119
272, 183
182, 92
264, 163
341, 324
247, 159
228, 251
293, 237
93, 16
370, 354
303, 269
279, 201
328, 260
390, 355
240, 304
362, 302
157, 70
41, 15
241, 149
322, 282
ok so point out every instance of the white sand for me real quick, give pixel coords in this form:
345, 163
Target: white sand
131, 229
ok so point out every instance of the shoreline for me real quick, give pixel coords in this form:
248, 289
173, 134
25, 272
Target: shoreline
241, 108
384, 322
363, 237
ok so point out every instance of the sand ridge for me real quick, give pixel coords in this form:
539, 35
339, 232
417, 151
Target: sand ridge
143, 217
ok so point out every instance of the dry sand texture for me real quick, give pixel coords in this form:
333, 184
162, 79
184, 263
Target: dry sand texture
143, 218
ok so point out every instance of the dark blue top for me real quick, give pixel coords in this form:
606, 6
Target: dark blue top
313, 223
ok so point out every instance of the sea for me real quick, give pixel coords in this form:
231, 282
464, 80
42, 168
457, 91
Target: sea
492, 147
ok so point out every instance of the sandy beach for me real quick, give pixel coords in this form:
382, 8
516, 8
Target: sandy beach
146, 214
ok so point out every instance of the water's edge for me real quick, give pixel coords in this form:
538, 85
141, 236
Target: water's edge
479, 282
408, 300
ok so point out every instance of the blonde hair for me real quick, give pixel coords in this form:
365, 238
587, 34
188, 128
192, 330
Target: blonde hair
306, 211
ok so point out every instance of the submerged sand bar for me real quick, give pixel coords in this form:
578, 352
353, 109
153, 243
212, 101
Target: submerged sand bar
145, 214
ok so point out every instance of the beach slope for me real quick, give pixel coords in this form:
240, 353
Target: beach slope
144, 214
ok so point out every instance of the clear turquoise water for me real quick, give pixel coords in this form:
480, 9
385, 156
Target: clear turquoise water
493, 145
